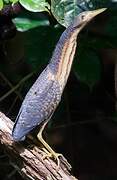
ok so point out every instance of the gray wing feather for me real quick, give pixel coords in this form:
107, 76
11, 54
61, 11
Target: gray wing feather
38, 105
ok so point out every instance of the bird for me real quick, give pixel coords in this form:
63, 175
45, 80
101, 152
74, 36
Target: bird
45, 94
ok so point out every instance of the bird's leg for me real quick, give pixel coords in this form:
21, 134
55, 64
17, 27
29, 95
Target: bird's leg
50, 152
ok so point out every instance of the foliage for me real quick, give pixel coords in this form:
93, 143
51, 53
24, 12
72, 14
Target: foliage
64, 13
27, 40
38, 29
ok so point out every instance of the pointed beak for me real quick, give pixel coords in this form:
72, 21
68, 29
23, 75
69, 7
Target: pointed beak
96, 12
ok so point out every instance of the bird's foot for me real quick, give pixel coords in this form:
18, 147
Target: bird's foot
54, 155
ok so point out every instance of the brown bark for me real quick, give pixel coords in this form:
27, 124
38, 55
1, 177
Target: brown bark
29, 161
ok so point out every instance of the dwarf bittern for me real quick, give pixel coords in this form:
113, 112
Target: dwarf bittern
45, 94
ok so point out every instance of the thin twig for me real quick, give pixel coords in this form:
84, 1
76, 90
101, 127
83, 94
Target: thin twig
78, 123
13, 103
11, 174
16, 87
10, 85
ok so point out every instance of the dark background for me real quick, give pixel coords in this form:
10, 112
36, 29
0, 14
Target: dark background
84, 127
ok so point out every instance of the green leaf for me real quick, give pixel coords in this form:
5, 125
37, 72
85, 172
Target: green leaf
64, 11
24, 24
87, 67
14, 1
1, 4
35, 5
6, 1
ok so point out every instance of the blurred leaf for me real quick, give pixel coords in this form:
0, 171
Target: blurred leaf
14, 1
111, 28
39, 45
1, 4
35, 5
99, 3
24, 24
65, 11
87, 64
6, 1
87, 67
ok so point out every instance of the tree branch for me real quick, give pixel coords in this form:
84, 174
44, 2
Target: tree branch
29, 161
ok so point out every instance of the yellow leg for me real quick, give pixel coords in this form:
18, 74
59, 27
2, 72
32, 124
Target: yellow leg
50, 152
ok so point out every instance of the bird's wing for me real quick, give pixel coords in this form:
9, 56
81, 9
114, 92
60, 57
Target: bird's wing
38, 105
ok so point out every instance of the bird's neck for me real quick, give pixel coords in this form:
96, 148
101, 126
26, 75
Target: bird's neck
63, 55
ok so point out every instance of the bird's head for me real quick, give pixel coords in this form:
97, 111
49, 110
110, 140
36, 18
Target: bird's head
83, 18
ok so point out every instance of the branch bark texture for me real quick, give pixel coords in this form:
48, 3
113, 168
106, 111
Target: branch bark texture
29, 161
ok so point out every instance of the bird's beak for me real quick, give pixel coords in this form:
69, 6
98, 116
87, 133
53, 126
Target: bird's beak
96, 12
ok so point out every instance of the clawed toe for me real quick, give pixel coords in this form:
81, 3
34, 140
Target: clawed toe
53, 155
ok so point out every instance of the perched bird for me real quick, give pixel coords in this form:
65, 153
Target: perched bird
45, 94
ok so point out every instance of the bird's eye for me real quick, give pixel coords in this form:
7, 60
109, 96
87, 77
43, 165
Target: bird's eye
83, 16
